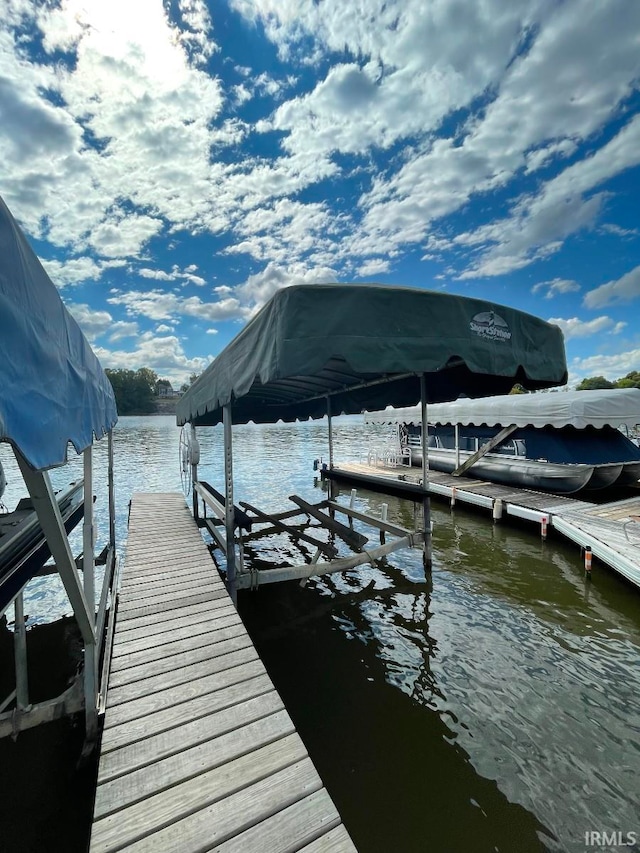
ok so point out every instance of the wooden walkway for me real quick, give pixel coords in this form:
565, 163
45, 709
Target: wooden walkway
198, 752
606, 528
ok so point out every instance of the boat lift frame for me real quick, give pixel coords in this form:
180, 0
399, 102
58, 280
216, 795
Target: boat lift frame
88, 689
239, 577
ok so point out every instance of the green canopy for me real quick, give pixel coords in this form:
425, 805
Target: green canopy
366, 346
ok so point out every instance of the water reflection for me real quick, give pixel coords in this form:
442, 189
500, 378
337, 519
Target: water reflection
493, 706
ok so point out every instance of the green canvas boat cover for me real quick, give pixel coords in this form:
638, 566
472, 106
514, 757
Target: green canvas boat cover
365, 346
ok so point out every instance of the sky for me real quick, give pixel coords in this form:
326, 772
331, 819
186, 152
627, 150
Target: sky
175, 164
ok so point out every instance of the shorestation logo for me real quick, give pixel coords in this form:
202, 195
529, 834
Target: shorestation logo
490, 325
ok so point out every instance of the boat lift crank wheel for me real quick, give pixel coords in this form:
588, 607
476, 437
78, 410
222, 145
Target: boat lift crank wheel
186, 458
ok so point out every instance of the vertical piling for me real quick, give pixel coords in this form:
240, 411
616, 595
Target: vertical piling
427, 558
228, 503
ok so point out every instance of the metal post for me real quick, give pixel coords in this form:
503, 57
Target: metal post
457, 432
193, 461
88, 565
20, 654
426, 503
228, 502
329, 424
48, 512
112, 498
330, 428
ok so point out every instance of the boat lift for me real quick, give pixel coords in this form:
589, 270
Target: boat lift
54, 392
300, 357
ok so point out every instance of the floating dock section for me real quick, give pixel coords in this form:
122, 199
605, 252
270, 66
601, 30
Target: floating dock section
608, 531
198, 752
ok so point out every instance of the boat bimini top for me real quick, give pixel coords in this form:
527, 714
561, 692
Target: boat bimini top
615, 407
367, 346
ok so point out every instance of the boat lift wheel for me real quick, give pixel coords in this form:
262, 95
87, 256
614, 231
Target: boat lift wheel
184, 458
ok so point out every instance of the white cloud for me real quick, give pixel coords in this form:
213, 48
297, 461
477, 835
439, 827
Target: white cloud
540, 223
573, 327
212, 331
612, 367
624, 289
373, 267
555, 287
164, 355
93, 323
121, 330
259, 288
73, 271
161, 305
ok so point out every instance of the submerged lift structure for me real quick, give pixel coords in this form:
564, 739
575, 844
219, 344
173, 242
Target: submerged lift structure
322, 350
54, 392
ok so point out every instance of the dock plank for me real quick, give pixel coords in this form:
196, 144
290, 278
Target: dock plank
197, 748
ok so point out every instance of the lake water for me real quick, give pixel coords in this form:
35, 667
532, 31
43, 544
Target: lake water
493, 707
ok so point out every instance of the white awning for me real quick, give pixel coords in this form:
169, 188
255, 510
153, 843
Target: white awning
613, 407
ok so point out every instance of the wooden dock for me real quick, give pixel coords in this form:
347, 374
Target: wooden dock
198, 752
607, 529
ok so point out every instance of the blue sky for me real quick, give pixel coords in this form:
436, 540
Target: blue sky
175, 164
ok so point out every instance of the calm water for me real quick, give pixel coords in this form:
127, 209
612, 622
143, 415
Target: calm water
492, 708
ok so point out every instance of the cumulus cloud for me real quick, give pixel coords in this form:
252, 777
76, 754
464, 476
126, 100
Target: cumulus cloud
573, 327
624, 289
612, 367
555, 287
259, 288
162, 305
165, 355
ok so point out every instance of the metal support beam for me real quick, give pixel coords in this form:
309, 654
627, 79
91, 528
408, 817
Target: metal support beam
111, 486
20, 654
228, 496
302, 572
88, 560
330, 428
486, 448
48, 512
427, 557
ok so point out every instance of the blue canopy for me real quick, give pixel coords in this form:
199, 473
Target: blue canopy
54, 390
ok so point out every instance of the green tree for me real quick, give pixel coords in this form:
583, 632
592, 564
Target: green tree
134, 390
631, 380
518, 389
192, 379
594, 383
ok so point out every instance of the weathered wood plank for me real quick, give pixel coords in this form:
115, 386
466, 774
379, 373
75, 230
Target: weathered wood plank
121, 761
192, 708
335, 841
169, 697
289, 829
167, 772
202, 626
173, 648
197, 747
182, 675
146, 626
184, 799
216, 823
208, 649
195, 576
157, 607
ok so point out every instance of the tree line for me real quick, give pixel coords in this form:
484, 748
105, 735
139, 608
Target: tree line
136, 391
594, 383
